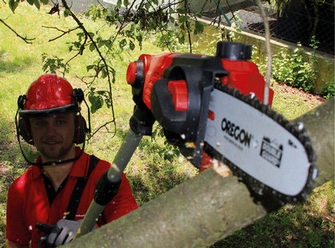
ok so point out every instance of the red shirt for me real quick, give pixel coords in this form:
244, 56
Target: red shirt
28, 203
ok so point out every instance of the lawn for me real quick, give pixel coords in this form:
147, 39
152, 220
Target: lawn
155, 167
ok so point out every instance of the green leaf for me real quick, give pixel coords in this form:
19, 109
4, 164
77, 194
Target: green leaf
90, 67
96, 102
13, 4
91, 47
37, 4
122, 43
118, 4
183, 18
199, 27
181, 11
131, 45
104, 73
198, 14
67, 12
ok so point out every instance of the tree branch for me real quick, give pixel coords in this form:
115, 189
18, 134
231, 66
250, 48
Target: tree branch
102, 58
268, 50
206, 208
25, 39
62, 32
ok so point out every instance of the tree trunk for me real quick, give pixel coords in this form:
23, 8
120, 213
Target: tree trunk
320, 125
208, 207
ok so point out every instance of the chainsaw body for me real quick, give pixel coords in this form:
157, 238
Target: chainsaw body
216, 104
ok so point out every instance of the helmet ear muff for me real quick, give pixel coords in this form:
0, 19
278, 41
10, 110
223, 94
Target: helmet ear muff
22, 124
21, 101
24, 130
81, 127
80, 130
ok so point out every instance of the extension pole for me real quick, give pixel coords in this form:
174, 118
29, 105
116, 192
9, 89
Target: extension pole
114, 174
269, 53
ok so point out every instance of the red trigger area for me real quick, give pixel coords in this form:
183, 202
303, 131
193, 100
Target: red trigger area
178, 90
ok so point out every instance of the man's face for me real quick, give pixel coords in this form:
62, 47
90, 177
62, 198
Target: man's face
53, 136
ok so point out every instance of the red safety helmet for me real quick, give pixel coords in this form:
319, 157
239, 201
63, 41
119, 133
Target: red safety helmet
50, 94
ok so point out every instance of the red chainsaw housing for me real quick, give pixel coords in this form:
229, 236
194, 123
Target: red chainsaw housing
242, 75
175, 90
245, 76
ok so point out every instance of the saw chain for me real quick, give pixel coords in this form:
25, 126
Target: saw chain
259, 189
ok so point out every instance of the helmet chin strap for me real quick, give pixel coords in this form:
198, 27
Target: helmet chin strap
58, 162
50, 163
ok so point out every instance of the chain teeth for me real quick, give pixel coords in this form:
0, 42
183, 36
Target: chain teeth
258, 190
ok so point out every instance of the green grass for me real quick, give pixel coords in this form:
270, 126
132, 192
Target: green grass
155, 167
305, 225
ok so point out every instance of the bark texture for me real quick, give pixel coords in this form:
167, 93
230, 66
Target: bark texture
207, 208
320, 124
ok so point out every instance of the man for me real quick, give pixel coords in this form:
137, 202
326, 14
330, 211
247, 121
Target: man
50, 120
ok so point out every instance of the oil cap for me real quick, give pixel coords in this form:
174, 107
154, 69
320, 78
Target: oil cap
233, 51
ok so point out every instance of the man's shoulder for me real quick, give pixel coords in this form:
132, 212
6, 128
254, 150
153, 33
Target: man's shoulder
26, 178
98, 163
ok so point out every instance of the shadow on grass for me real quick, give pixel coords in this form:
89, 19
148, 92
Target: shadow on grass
154, 182
9, 66
282, 230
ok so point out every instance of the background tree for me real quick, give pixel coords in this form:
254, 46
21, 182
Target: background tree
304, 20
130, 23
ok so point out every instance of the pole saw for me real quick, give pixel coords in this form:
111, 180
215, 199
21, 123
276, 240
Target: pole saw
214, 105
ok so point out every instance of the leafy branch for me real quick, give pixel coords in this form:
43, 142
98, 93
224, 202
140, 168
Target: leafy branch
133, 22
85, 39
